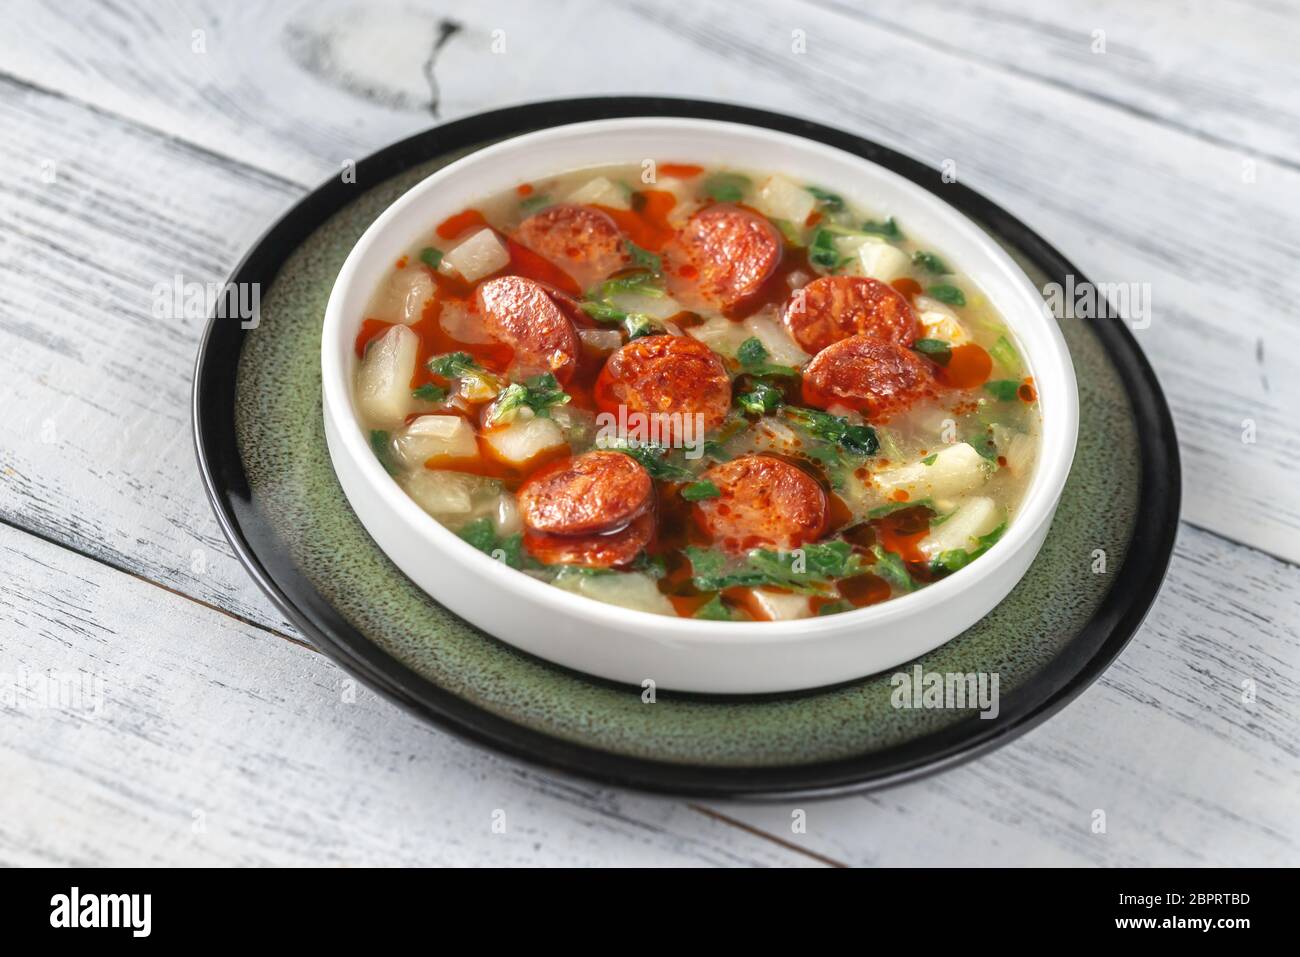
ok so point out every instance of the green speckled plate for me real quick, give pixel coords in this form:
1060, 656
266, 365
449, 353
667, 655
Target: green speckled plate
262, 452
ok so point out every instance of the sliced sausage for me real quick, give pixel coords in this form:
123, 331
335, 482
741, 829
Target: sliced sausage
522, 314
835, 307
724, 254
874, 376
765, 503
584, 242
593, 551
590, 493
666, 377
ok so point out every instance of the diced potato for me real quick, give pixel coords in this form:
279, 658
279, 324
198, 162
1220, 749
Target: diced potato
384, 379
680, 188
656, 307
436, 436
848, 246
781, 349
524, 439
938, 321
505, 517
480, 255
720, 334
600, 192
772, 435
460, 323
602, 340
626, 589
768, 605
453, 498
1018, 448
780, 198
956, 469
973, 518
882, 261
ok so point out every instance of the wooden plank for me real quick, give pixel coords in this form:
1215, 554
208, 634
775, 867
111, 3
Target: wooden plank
1187, 773
95, 447
1216, 267
1222, 71
143, 729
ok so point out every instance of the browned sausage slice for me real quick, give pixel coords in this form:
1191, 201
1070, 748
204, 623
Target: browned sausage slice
765, 503
520, 313
590, 493
584, 242
724, 254
593, 551
666, 377
876, 377
835, 307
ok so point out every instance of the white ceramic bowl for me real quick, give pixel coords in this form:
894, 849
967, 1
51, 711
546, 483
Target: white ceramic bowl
680, 653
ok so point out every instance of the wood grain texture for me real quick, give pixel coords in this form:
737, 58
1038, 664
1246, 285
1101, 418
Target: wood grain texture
1128, 194
182, 736
167, 161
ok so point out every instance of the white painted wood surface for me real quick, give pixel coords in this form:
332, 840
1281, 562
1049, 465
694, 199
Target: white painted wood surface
128, 157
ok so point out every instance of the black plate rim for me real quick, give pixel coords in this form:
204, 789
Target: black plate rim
1133, 590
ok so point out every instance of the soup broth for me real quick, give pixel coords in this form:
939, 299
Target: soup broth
710, 393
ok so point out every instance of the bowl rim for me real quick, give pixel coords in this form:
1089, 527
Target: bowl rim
1053, 375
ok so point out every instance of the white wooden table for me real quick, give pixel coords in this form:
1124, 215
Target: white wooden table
1155, 142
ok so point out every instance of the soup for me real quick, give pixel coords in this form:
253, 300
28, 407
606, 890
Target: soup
709, 393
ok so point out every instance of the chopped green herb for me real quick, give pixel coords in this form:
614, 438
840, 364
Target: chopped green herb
857, 439
949, 294
534, 203
381, 444
481, 534
431, 257
644, 283
697, 491
652, 566
935, 349
714, 610
454, 364
430, 392
958, 558
752, 356
538, 393
892, 569
822, 252
1004, 353
1004, 390
637, 325
810, 569
827, 200
654, 458
930, 263
751, 352
643, 257
727, 187
881, 511
888, 228
930, 459
834, 607
462, 365
760, 399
